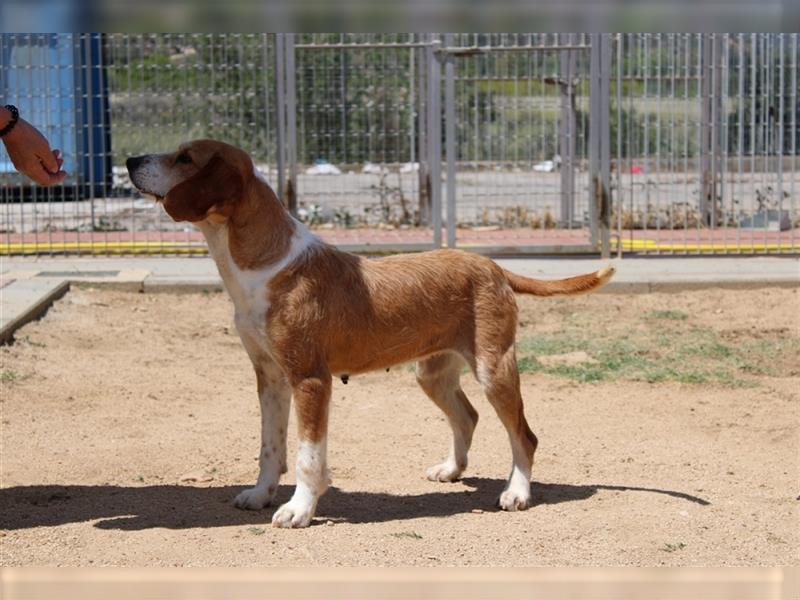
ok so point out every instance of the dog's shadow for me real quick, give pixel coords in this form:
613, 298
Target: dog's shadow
183, 507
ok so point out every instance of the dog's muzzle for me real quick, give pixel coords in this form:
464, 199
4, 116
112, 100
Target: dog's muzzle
133, 164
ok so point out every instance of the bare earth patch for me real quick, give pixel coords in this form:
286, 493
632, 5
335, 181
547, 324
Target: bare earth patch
130, 421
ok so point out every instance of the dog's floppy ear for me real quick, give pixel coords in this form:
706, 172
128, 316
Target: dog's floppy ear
215, 183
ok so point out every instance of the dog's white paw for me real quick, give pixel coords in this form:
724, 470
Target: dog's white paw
254, 498
446, 471
293, 515
512, 500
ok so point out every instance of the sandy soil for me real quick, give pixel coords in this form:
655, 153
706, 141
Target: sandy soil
129, 423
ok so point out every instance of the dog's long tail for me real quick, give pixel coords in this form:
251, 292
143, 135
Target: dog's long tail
572, 286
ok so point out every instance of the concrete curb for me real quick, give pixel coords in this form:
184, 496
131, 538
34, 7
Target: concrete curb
32, 301
673, 287
733, 284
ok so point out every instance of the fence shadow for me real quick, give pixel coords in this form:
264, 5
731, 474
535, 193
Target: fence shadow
184, 507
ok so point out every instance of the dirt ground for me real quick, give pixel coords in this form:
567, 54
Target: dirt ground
130, 421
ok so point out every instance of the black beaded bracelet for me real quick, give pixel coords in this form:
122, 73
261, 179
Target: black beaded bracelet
14, 118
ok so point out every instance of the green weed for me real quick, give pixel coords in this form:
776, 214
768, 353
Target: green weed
528, 364
656, 352
407, 534
9, 376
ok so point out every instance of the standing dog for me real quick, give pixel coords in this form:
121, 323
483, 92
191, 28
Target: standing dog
306, 312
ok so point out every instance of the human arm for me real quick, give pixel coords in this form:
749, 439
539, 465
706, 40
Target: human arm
30, 151
5, 116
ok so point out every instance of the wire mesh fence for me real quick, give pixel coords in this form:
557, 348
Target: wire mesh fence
411, 140
103, 98
519, 109
357, 118
705, 142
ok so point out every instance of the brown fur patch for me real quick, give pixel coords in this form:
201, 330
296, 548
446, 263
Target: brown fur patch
260, 230
213, 186
365, 314
312, 399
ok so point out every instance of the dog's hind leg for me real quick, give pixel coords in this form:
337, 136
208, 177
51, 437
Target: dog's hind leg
497, 373
439, 376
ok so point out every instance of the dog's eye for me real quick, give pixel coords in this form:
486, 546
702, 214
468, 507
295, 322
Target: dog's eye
183, 158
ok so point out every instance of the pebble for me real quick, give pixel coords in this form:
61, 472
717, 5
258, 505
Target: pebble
195, 477
477, 511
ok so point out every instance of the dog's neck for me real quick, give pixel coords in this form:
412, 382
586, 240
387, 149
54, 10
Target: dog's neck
258, 234
254, 245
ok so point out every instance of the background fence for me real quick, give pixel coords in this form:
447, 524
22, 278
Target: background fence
668, 143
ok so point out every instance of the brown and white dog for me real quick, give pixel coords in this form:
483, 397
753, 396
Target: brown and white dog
306, 312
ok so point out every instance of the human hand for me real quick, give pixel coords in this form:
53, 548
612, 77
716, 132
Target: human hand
31, 154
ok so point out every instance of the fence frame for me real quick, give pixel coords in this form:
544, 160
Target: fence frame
714, 190
599, 112
439, 54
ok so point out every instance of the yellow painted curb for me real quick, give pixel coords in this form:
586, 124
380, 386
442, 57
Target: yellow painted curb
102, 248
646, 245
155, 247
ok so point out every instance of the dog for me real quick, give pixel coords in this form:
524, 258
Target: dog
307, 312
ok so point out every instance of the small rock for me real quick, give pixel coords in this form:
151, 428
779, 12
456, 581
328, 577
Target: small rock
195, 477
477, 511
329, 523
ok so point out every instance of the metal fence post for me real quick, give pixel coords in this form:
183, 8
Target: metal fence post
89, 125
599, 142
423, 174
710, 120
567, 131
435, 139
619, 40
291, 124
280, 115
450, 140
605, 145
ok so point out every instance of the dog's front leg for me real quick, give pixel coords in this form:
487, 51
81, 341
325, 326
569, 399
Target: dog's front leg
274, 395
311, 400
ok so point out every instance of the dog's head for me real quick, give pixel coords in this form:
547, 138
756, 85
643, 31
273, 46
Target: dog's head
202, 180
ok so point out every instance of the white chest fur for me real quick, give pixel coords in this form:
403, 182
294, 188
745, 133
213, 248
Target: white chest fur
249, 289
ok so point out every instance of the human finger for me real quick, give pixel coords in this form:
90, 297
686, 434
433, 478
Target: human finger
49, 161
56, 178
38, 173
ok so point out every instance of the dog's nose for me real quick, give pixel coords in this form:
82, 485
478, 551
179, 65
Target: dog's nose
133, 163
